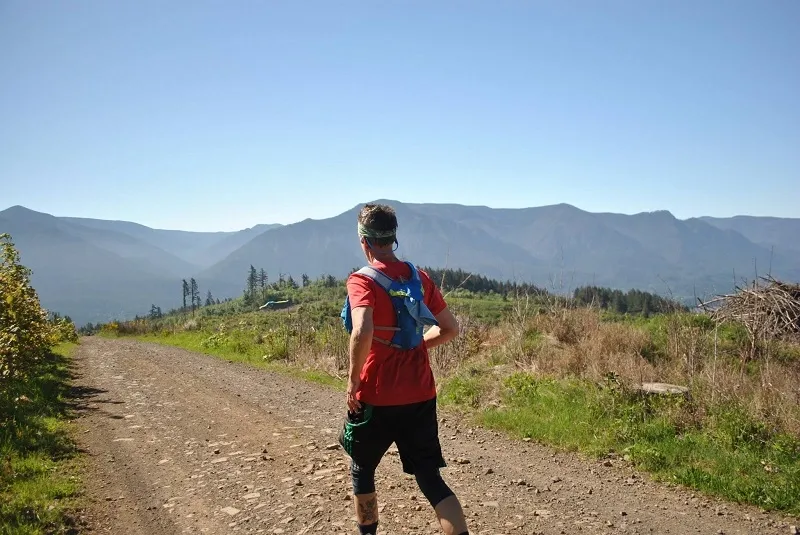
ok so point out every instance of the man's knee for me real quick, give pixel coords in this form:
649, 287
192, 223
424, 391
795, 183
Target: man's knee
432, 486
363, 479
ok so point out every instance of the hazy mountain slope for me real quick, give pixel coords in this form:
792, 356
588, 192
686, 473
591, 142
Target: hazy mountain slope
552, 241
697, 251
141, 254
570, 247
310, 247
522, 245
76, 277
331, 246
219, 250
197, 249
557, 246
192, 247
781, 233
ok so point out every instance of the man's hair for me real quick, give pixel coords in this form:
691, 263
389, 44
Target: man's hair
380, 218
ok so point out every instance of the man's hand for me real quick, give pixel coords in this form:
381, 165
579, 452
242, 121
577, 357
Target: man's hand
352, 387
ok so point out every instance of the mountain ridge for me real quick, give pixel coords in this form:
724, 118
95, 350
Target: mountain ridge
546, 245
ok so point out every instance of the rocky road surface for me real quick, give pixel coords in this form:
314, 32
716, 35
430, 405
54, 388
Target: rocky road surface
179, 442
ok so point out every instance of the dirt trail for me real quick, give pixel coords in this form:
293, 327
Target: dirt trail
180, 442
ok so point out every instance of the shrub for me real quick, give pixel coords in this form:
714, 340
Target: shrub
25, 333
63, 330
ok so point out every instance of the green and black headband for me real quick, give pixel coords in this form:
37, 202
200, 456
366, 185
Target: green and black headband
372, 233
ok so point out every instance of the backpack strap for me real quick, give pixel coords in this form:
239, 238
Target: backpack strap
414, 272
378, 276
384, 281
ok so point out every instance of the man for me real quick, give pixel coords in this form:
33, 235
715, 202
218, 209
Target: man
391, 393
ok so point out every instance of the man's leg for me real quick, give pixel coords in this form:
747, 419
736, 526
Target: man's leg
421, 455
443, 500
366, 441
366, 498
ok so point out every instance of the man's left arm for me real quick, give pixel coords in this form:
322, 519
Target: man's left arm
360, 342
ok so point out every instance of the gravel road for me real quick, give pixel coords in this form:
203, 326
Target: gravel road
179, 442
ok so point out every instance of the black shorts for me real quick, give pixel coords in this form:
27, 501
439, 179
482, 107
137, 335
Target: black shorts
414, 428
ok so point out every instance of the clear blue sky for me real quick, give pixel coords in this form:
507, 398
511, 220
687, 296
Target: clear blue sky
220, 115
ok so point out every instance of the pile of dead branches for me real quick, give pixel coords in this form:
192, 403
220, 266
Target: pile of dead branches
768, 308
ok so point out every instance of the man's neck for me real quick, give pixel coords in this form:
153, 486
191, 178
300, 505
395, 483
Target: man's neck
385, 259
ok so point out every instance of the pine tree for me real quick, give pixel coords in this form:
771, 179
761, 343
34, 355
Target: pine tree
306, 280
195, 295
209, 299
185, 293
252, 282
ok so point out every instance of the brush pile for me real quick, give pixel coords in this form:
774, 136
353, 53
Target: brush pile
770, 309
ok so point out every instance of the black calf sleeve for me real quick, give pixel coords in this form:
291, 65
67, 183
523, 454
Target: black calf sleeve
363, 479
372, 529
433, 486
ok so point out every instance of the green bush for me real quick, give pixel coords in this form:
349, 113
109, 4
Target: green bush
26, 335
466, 390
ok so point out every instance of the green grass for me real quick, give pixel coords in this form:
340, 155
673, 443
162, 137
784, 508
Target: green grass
235, 348
723, 453
485, 309
38, 458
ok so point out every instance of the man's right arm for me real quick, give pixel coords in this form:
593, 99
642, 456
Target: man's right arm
448, 325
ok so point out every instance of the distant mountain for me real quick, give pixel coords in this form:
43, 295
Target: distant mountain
199, 249
782, 234
40, 228
220, 249
75, 276
330, 246
560, 247
97, 270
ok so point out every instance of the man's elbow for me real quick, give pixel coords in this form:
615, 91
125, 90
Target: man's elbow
447, 324
450, 330
452, 333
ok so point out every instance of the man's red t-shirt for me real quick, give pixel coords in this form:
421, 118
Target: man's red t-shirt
391, 376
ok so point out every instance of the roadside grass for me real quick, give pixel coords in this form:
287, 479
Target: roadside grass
727, 454
39, 484
237, 350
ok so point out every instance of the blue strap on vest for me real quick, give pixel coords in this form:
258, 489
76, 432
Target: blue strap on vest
411, 313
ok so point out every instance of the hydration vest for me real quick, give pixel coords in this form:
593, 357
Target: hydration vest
411, 313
